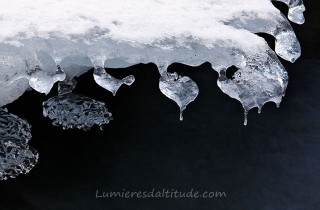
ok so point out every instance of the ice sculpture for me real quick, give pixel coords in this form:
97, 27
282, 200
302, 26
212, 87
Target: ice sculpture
52, 41
80, 37
75, 111
16, 157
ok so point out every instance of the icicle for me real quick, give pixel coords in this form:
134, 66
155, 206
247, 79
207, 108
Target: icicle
182, 90
110, 83
181, 114
245, 117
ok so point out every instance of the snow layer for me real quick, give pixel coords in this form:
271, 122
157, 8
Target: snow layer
76, 35
142, 21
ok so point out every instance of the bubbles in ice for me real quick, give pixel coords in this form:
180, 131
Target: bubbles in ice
16, 157
71, 110
13, 126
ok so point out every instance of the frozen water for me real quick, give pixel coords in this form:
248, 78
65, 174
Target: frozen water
78, 35
110, 83
296, 9
71, 110
14, 127
182, 90
16, 157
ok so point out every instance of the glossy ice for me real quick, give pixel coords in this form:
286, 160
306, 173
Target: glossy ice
79, 35
16, 157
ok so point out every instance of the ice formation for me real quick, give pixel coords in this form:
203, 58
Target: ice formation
78, 35
75, 111
52, 41
16, 157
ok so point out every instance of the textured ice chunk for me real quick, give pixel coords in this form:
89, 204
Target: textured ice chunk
70, 110
14, 127
16, 157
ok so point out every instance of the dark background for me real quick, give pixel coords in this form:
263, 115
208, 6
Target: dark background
271, 164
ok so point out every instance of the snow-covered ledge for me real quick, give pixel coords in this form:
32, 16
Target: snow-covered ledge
50, 41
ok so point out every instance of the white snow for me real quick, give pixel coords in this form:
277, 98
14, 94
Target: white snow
142, 21
77, 35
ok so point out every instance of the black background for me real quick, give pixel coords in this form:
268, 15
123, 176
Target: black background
271, 164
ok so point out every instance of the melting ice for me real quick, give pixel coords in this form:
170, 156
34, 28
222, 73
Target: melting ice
52, 41
78, 35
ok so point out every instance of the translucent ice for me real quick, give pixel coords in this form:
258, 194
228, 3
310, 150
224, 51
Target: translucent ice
14, 127
182, 90
296, 9
110, 83
71, 110
50, 41
16, 157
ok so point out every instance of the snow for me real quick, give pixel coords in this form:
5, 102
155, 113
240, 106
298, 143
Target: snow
74, 36
142, 21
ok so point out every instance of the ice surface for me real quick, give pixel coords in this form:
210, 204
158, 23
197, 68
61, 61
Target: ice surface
182, 90
71, 110
110, 83
296, 9
14, 127
16, 157
78, 35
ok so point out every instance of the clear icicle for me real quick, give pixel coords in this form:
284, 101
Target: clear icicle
181, 115
182, 90
110, 83
245, 123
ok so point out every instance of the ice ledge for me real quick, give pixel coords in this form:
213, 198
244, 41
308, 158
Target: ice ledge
38, 52
55, 41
